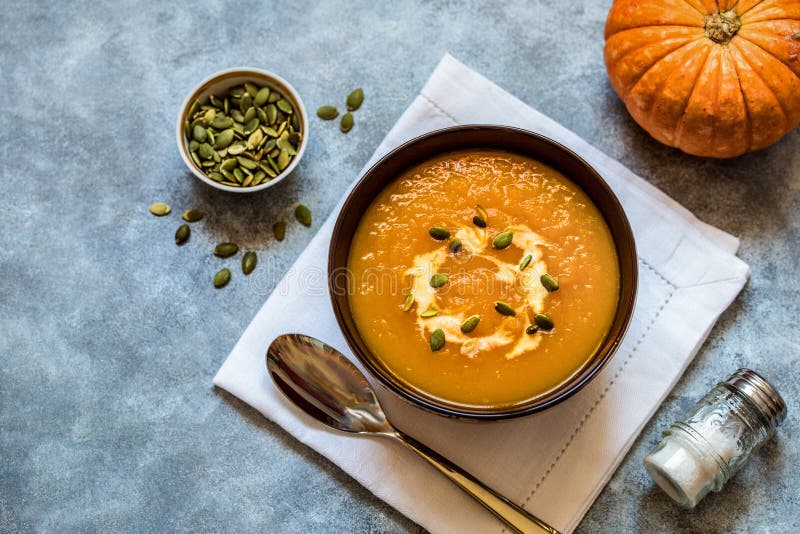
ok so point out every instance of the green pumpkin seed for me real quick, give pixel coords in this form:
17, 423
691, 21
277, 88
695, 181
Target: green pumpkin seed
205, 151
193, 145
355, 99
437, 340
246, 102
249, 261
455, 246
159, 209
279, 230
327, 113
255, 139
274, 96
549, 283
251, 125
250, 115
272, 132
479, 221
285, 106
262, 115
482, 213
504, 309
209, 117
196, 158
439, 233
532, 329
221, 123
272, 114
193, 107
222, 278
247, 163
525, 262
543, 321
347, 122
192, 215
182, 234
224, 139
283, 159
251, 89
226, 250
199, 133
248, 181
470, 324
259, 177
229, 164
236, 149
408, 302
237, 115
261, 96
430, 312
217, 177
502, 240
238, 174
303, 215
438, 280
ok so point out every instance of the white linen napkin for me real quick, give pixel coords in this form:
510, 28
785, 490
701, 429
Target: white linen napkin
554, 463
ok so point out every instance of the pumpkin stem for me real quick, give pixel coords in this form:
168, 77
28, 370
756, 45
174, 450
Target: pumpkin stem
721, 27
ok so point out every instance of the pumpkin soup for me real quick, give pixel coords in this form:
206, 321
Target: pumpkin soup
483, 278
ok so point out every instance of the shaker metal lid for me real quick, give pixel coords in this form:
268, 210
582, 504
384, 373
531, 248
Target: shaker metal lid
766, 398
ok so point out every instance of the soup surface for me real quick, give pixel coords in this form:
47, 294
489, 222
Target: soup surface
500, 362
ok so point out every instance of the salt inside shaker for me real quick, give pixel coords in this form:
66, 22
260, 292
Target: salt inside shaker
700, 453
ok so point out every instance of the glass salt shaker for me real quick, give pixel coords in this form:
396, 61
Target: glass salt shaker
700, 453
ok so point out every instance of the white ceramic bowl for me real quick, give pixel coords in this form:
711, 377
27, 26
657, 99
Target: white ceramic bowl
219, 83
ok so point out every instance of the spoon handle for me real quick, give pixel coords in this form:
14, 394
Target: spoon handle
509, 513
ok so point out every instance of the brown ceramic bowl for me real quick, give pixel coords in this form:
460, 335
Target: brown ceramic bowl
485, 137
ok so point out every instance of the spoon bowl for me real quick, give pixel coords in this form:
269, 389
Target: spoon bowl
323, 383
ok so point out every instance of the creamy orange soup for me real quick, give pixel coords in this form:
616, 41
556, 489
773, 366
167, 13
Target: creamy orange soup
502, 361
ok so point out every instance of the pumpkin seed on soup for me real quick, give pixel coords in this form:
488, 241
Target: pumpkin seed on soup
543, 321
408, 302
430, 312
525, 262
439, 233
437, 340
159, 209
303, 214
455, 246
502, 240
532, 329
504, 309
479, 221
470, 324
549, 283
438, 280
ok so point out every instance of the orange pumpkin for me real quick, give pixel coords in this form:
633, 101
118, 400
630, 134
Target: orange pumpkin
712, 78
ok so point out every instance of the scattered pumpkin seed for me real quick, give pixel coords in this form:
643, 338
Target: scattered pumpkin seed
222, 278
303, 214
504, 309
346, 123
439, 233
159, 209
437, 340
327, 113
182, 234
543, 321
549, 283
525, 262
226, 250
455, 246
430, 312
438, 280
502, 240
532, 329
355, 99
479, 221
279, 230
470, 324
192, 215
408, 302
249, 261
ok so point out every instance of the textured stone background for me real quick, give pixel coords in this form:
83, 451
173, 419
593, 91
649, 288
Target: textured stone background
110, 334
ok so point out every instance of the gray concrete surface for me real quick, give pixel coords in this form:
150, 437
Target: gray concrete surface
110, 334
